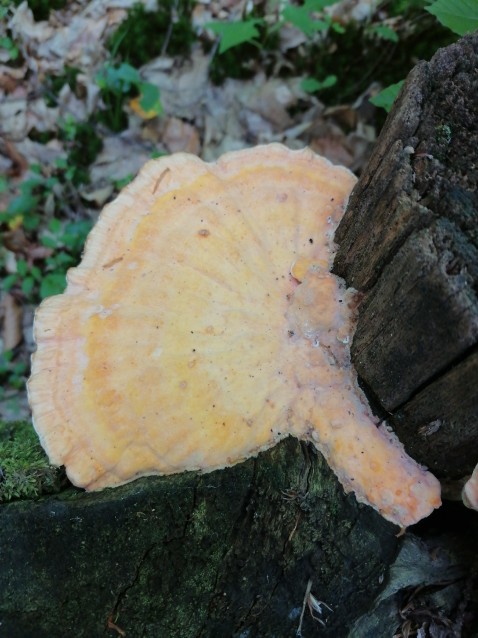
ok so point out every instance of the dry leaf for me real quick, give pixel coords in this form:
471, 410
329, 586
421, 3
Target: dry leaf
98, 196
182, 88
181, 136
11, 313
121, 156
13, 118
19, 163
44, 154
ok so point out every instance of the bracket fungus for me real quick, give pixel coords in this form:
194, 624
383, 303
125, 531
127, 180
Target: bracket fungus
203, 325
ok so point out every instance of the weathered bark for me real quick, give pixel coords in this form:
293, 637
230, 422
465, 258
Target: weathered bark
409, 241
226, 554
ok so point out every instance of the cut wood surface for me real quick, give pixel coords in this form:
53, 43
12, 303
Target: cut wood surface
409, 241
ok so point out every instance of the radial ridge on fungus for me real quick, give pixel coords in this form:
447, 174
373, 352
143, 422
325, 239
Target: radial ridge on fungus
203, 325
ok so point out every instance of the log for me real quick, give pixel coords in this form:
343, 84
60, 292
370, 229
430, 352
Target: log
409, 242
229, 554
264, 548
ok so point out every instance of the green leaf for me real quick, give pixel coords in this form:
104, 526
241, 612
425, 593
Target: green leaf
31, 222
19, 368
51, 182
337, 27
48, 242
8, 44
386, 98
118, 80
7, 355
61, 162
29, 185
384, 32
121, 183
22, 205
461, 16
54, 226
318, 5
127, 73
150, 98
52, 284
300, 18
60, 261
155, 154
27, 285
36, 273
234, 33
8, 282
22, 267
311, 85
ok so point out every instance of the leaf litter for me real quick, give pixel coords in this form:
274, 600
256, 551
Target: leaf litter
42, 126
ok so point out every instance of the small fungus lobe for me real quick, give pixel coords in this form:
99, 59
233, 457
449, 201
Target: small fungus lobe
194, 355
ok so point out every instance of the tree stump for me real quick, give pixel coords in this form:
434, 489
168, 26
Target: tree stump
226, 554
263, 549
409, 241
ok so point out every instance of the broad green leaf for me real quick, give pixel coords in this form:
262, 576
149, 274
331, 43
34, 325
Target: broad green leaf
461, 16
300, 18
27, 285
311, 85
318, 5
127, 73
29, 185
22, 267
337, 27
8, 282
48, 242
8, 44
36, 273
150, 98
22, 204
19, 368
54, 225
7, 355
386, 98
153, 155
121, 183
118, 80
31, 221
61, 162
52, 284
234, 33
384, 32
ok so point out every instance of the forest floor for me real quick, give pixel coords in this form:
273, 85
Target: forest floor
89, 91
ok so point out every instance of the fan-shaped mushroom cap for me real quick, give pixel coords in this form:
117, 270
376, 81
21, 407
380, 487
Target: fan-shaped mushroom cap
203, 325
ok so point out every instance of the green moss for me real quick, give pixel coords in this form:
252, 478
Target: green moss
24, 468
441, 142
